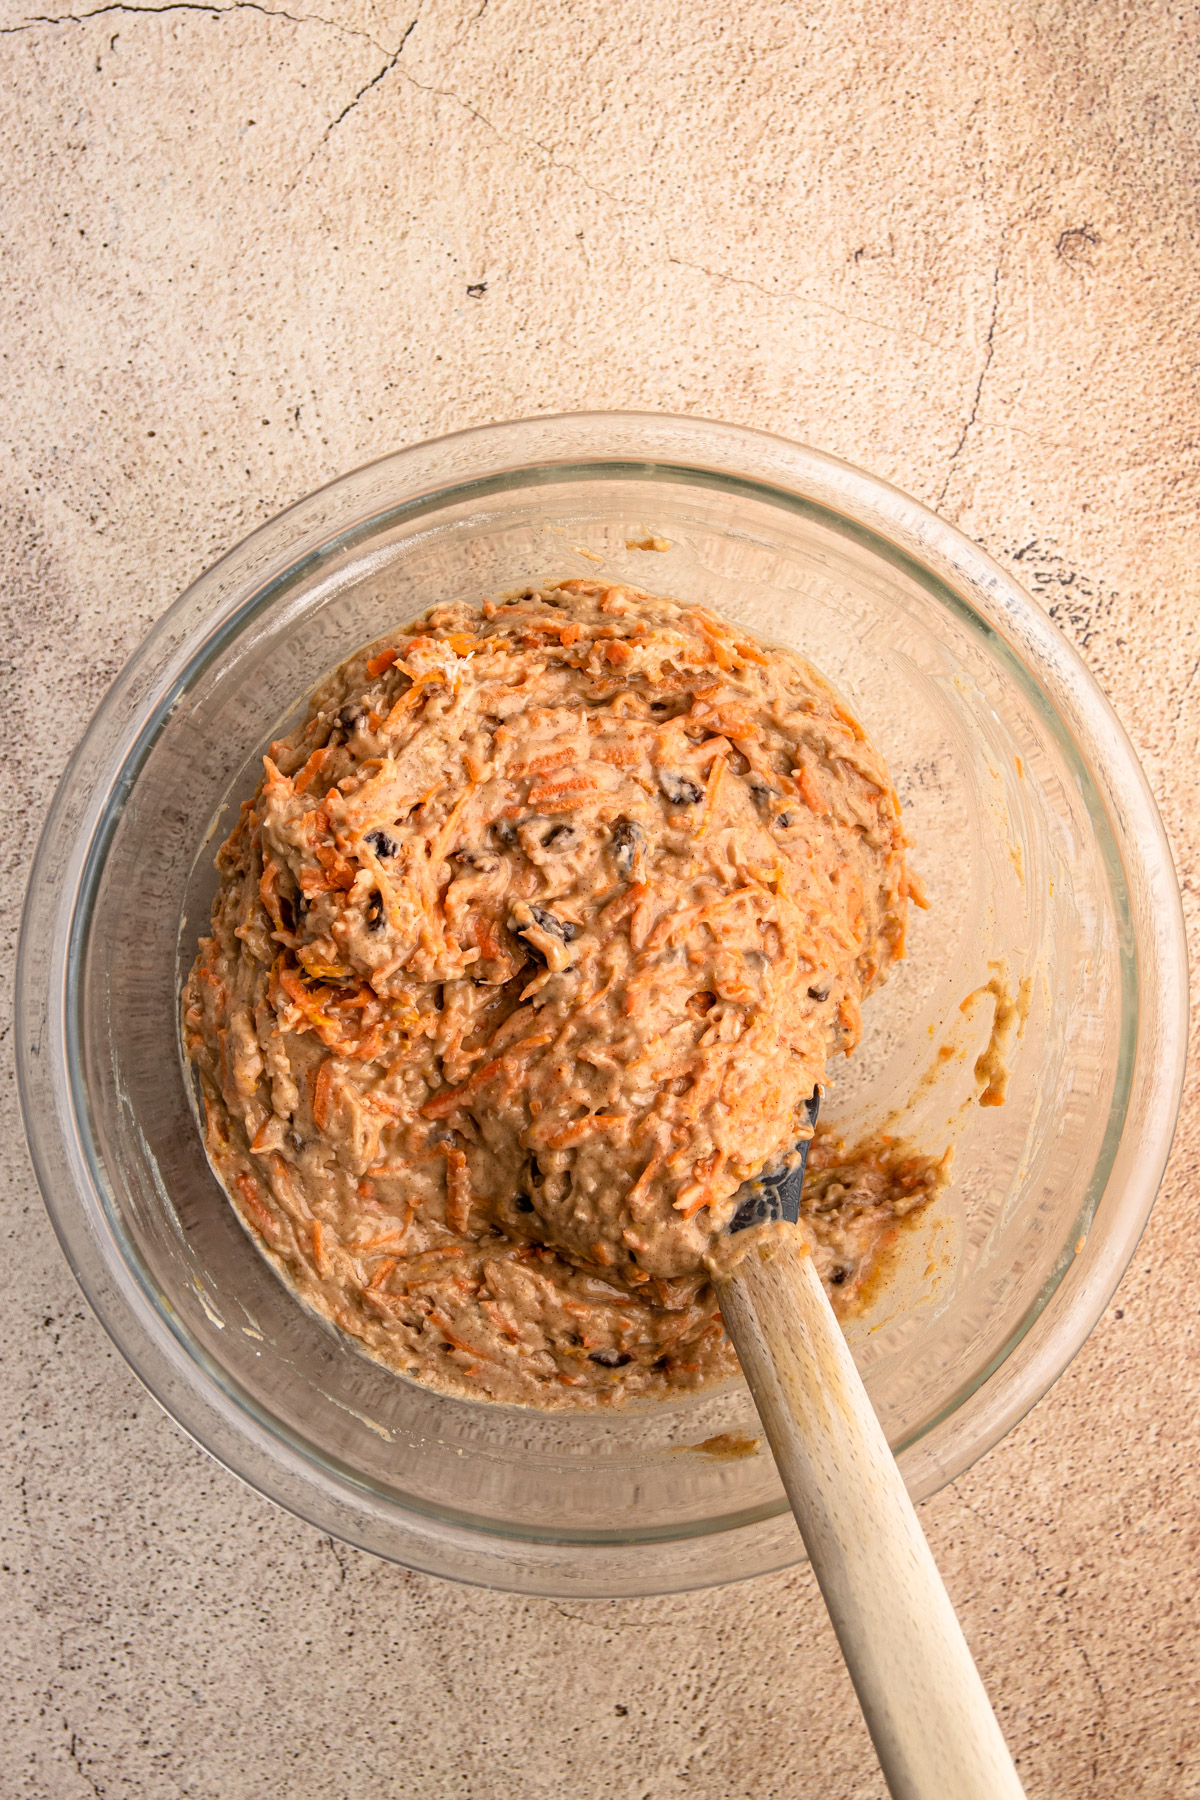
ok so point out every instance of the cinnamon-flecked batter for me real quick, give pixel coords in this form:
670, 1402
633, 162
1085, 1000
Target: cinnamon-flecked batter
528, 950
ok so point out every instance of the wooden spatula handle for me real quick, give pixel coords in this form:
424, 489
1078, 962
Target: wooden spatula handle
932, 1723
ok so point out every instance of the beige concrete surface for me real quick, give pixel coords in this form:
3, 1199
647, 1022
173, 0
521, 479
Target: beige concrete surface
248, 246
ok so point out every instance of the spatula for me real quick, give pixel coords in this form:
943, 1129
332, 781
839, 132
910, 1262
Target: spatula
931, 1721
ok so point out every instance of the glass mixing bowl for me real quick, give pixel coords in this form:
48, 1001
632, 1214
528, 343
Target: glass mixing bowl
1046, 866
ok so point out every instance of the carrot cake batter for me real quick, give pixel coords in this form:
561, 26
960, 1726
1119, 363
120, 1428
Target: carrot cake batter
528, 951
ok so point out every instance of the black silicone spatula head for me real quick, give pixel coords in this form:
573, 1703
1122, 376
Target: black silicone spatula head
777, 1196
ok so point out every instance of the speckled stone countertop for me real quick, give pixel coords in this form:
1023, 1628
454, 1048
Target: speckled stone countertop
246, 248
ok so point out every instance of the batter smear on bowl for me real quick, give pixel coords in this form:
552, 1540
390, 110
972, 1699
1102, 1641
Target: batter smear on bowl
528, 951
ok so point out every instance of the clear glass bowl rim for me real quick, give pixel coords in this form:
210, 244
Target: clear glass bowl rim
218, 604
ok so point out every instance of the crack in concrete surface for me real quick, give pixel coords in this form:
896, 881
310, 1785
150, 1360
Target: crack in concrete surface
74, 1753
467, 106
989, 348
794, 297
197, 6
363, 91
616, 1626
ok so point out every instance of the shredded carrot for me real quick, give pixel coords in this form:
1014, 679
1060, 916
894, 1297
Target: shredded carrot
318, 1244
715, 775
267, 892
443, 1104
624, 904
644, 1179
311, 769
501, 1320
642, 921
727, 652
451, 1336
317, 970
252, 1200
683, 922
218, 993
722, 654
848, 719
703, 1190
445, 837
379, 663
275, 784
812, 794
621, 756
338, 872
481, 934
389, 1238
913, 888
562, 796
545, 764
565, 630
580, 1130
214, 1126
458, 1190
417, 693
323, 1094
261, 1139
